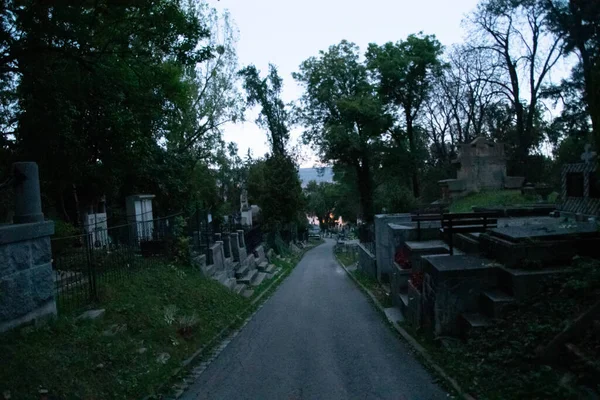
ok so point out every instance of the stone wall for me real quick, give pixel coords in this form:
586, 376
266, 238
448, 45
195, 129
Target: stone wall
26, 278
367, 262
452, 285
382, 242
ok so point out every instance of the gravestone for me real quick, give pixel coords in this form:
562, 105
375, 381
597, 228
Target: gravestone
580, 191
245, 209
26, 282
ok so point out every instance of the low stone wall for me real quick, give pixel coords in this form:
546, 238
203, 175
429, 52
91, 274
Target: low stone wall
367, 262
383, 247
26, 278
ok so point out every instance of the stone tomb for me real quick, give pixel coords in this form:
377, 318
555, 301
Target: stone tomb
553, 243
481, 165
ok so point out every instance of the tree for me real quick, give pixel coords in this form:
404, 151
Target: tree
98, 89
515, 34
323, 201
578, 23
274, 183
266, 92
342, 114
405, 72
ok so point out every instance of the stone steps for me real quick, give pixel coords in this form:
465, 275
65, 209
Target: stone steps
271, 269
260, 277
262, 267
249, 277
470, 321
241, 271
468, 243
239, 288
492, 303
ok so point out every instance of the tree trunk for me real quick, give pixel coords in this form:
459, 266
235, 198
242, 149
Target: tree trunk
413, 149
365, 188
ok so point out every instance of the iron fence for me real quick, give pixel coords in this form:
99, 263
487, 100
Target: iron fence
366, 236
84, 264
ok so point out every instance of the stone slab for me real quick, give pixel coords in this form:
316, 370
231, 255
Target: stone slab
20, 232
92, 314
394, 314
554, 231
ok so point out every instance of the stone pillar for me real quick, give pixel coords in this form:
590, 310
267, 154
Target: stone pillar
382, 242
226, 245
241, 239
238, 252
26, 281
28, 202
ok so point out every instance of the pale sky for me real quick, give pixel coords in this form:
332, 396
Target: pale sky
286, 33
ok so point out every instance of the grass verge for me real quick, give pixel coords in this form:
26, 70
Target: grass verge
494, 198
154, 321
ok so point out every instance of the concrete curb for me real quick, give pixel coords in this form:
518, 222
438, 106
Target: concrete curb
180, 388
412, 341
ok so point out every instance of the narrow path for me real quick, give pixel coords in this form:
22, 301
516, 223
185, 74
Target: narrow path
317, 337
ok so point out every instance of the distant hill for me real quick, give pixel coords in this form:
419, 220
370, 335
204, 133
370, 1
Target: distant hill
312, 174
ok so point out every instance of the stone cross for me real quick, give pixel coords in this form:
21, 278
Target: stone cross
588, 155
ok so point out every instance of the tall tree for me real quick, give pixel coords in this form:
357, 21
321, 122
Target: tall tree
98, 86
342, 114
266, 92
279, 193
515, 33
405, 72
578, 23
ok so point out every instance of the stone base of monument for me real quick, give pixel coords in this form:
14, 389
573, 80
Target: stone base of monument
540, 245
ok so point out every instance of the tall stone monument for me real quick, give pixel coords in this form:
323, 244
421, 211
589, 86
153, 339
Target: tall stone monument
26, 279
245, 209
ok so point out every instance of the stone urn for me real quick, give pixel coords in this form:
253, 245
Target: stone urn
543, 190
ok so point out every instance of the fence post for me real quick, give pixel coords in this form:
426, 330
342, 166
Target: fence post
91, 273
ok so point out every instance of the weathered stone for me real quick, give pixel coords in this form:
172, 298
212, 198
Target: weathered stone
382, 238
40, 251
16, 295
92, 314
366, 262
42, 283
22, 232
14, 257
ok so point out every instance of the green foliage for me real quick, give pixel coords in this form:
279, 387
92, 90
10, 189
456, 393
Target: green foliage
323, 201
405, 72
343, 115
392, 197
273, 183
266, 92
180, 246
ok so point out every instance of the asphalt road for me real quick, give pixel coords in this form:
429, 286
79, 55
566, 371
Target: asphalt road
317, 337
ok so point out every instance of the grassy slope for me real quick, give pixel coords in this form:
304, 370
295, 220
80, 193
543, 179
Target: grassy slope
493, 198
83, 360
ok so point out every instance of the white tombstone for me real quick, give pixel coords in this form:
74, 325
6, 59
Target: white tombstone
139, 215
